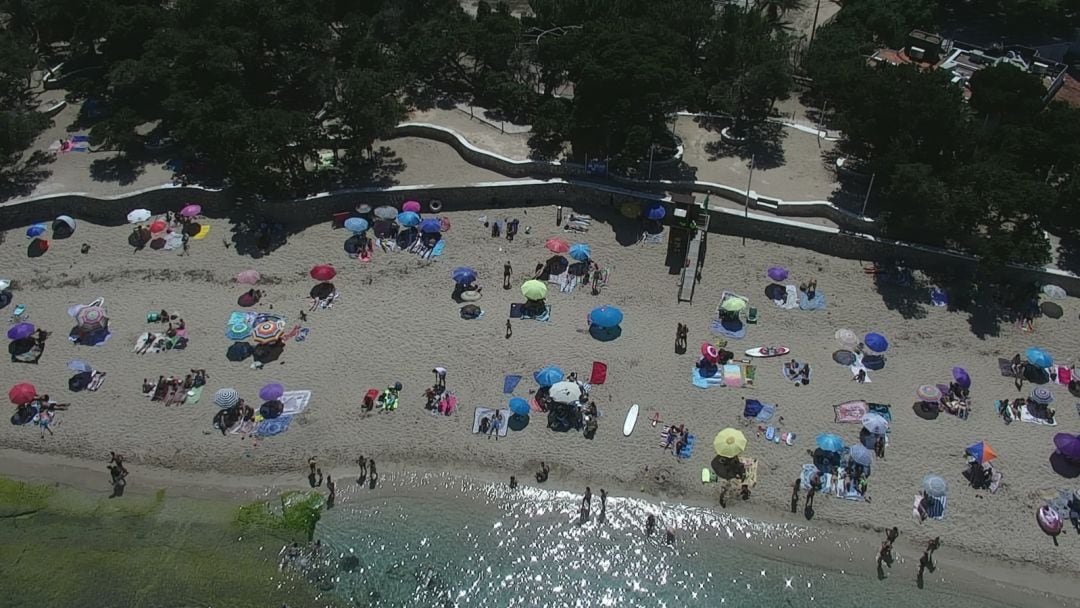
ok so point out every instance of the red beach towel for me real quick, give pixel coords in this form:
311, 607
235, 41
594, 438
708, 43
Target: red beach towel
599, 373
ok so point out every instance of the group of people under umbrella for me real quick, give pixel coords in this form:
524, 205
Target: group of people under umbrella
564, 398
232, 410
168, 231
406, 227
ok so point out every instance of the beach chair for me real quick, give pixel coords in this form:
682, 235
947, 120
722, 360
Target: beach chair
752, 315
708, 476
19, 314
370, 398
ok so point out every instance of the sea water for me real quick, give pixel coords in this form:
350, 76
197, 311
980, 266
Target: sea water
442, 541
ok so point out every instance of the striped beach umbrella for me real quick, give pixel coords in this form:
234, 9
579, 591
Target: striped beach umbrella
266, 331
226, 397
928, 393
1041, 394
91, 319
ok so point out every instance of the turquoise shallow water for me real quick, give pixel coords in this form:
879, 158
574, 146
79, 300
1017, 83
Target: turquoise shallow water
439, 541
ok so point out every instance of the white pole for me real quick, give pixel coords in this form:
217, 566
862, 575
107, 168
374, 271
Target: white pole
652, 148
866, 200
746, 206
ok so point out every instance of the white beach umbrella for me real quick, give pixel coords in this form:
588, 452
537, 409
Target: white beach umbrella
846, 337
565, 392
875, 423
138, 215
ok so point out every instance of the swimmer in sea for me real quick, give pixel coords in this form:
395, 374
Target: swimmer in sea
650, 524
670, 536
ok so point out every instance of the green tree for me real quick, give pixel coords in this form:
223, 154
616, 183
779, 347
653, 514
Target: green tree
1005, 93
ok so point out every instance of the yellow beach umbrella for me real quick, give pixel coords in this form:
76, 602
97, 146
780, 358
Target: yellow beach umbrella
534, 290
733, 304
729, 443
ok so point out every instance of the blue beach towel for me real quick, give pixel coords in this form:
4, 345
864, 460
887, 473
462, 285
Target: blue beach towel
510, 382
936, 507
688, 449
939, 298
751, 408
80, 138
818, 303
735, 329
716, 379
273, 426
766, 413
544, 316
437, 250
808, 471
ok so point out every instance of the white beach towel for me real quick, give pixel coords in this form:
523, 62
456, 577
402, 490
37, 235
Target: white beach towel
294, 402
481, 412
857, 367
1026, 416
792, 298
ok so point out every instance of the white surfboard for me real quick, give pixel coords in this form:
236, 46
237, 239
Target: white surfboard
631, 420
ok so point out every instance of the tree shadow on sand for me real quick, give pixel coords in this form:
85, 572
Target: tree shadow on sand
120, 169
764, 143
380, 168
21, 179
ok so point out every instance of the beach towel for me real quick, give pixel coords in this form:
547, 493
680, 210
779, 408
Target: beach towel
157, 346
734, 329
80, 138
687, 449
766, 413
733, 376
750, 471
194, 394
599, 373
544, 316
273, 426
935, 507
515, 311
714, 379
243, 427
204, 230
559, 279
794, 376
652, 239
751, 408
850, 411
1064, 375
294, 402
437, 250
174, 241
1026, 416
481, 412
818, 303
850, 494
1005, 367
857, 367
939, 298
510, 382
791, 300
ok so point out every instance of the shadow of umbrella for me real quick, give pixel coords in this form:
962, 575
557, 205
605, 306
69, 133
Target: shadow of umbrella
1063, 466
267, 353
322, 291
157, 244
37, 248
239, 351
727, 468
517, 423
844, 357
922, 411
605, 334
775, 291
1052, 310
191, 228
1035, 375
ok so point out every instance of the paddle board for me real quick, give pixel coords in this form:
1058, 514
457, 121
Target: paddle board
775, 351
631, 420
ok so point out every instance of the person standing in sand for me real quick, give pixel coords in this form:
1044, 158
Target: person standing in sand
332, 489
542, 474
508, 272
311, 471
440, 377
795, 495
932, 546
509, 329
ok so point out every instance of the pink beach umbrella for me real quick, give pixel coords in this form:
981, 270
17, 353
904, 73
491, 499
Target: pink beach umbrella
248, 277
413, 206
710, 352
191, 210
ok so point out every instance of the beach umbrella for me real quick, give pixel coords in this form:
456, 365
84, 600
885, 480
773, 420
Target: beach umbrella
843, 357
408, 219
777, 273
22, 393
37, 248
21, 331
463, 275
534, 290
519, 406
846, 337
934, 486
36, 230
1039, 357
80, 366
356, 224
655, 211
981, 452
271, 391
630, 210
63, 226
830, 442
928, 393
548, 376
91, 319
266, 331
386, 212
565, 392
238, 331
191, 210
961, 376
733, 304
430, 226
323, 272
1041, 394
363, 208
876, 342
775, 291
729, 443
557, 245
226, 397
1054, 291
580, 252
875, 423
158, 226
248, 277
138, 215
239, 351
1068, 445
605, 316
322, 291
413, 206
710, 352
860, 454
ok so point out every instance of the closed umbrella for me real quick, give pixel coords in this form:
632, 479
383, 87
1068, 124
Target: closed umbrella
138, 216
548, 376
356, 224
91, 319
981, 452
80, 366
861, 455
36, 230
875, 423
408, 219
413, 206
733, 304
519, 406
961, 376
271, 391
876, 342
606, 316
323, 272
386, 212
1039, 357
557, 245
655, 211
266, 332
935, 486
710, 352
928, 393
830, 442
22, 393
777, 273
846, 337
729, 443
565, 392
430, 226
580, 252
1041, 394
534, 290
226, 397
248, 277
191, 210
21, 331
463, 275
1068, 445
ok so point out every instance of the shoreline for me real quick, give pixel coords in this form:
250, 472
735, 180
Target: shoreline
1010, 582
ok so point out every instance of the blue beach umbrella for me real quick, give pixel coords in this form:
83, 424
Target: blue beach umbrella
830, 442
605, 316
1039, 357
429, 226
519, 406
20, 331
463, 275
981, 452
36, 230
935, 486
548, 376
655, 211
876, 342
238, 331
408, 219
356, 224
580, 252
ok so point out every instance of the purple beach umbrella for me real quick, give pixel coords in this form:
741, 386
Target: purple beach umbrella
777, 273
271, 392
20, 331
961, 376
1068, 445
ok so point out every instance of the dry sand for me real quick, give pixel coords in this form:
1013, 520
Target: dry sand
396, 321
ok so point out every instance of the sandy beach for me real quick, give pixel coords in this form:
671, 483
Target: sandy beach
396, 320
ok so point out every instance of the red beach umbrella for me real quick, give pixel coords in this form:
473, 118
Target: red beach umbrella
557, 245
323, 272
158, 226
710, 352
22, 393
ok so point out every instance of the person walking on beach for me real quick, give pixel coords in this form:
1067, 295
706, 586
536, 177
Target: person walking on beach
650, 524
311, 471
892, 534
509, 329
603, 505
879, 447
119, 479
318, 482
885, 554
373, 475
513, 482
1017, 367
932, 546
586, 506
508, 272
331, 487
795, 495
362, 462
542, 474
924, 561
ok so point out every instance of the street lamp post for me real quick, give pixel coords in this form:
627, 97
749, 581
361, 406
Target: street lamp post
866, 200
746, 203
